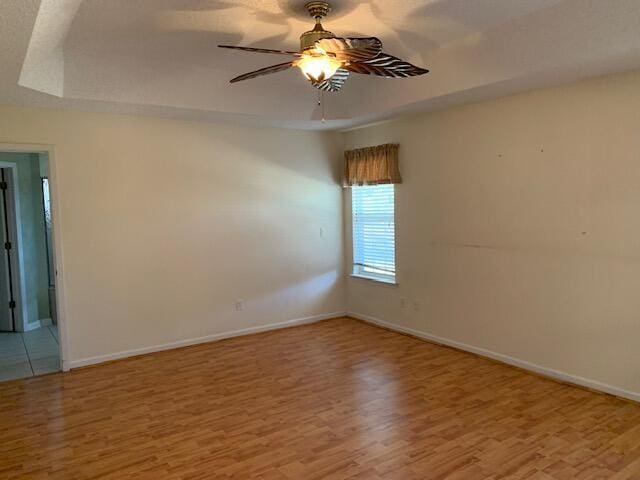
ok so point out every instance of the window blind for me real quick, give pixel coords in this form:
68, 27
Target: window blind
374, 251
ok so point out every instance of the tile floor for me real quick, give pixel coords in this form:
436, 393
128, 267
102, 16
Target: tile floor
30, 353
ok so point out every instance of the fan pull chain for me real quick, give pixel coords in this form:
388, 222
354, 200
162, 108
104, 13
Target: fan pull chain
321, 104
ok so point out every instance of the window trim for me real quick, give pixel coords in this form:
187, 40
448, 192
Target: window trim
384, 281
359, 271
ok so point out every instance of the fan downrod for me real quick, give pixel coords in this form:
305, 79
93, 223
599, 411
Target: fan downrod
318, 9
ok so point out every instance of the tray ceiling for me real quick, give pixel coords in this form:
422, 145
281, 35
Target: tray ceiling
159, 57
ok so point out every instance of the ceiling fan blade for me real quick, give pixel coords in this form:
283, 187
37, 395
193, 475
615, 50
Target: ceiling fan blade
385, 65
260, 50
335, 83
351, 49
263, 71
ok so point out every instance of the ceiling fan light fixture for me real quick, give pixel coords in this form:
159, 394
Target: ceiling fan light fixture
327, 61
317, 66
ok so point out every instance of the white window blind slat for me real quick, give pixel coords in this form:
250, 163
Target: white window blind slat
374, 252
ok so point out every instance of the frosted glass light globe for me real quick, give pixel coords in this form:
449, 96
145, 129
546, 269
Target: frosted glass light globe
318, 66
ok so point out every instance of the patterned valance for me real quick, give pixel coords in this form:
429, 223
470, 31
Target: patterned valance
372, 165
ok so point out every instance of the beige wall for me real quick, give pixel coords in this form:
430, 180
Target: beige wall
164, 224
518, 228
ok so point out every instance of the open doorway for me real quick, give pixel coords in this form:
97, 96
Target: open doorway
29, 340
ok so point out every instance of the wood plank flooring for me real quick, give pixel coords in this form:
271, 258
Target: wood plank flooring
339, 399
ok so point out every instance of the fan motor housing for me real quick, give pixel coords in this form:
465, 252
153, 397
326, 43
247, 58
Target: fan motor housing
308, 39
317, 10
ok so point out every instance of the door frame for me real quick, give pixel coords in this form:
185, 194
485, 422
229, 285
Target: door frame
56, 216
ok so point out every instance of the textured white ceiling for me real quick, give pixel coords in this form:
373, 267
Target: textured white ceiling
159, 57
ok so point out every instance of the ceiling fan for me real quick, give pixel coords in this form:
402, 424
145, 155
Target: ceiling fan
326, 60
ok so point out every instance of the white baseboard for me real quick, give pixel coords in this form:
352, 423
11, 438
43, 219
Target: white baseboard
43, 322
195, 341
547, 372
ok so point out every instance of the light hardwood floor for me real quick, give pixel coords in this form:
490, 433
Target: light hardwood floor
339, 399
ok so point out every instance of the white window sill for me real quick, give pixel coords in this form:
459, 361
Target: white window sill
383, 281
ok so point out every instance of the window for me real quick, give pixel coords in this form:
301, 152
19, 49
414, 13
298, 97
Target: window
374, 238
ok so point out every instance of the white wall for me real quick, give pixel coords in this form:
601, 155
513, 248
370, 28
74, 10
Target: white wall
164, 224
518, 228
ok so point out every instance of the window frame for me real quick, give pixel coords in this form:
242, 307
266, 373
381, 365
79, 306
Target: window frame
360, 271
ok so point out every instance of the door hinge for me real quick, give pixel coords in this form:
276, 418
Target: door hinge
12, 304
7, 246
3, 185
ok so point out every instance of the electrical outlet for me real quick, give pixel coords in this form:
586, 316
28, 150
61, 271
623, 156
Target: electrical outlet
416, 305
239, 305
404, 302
